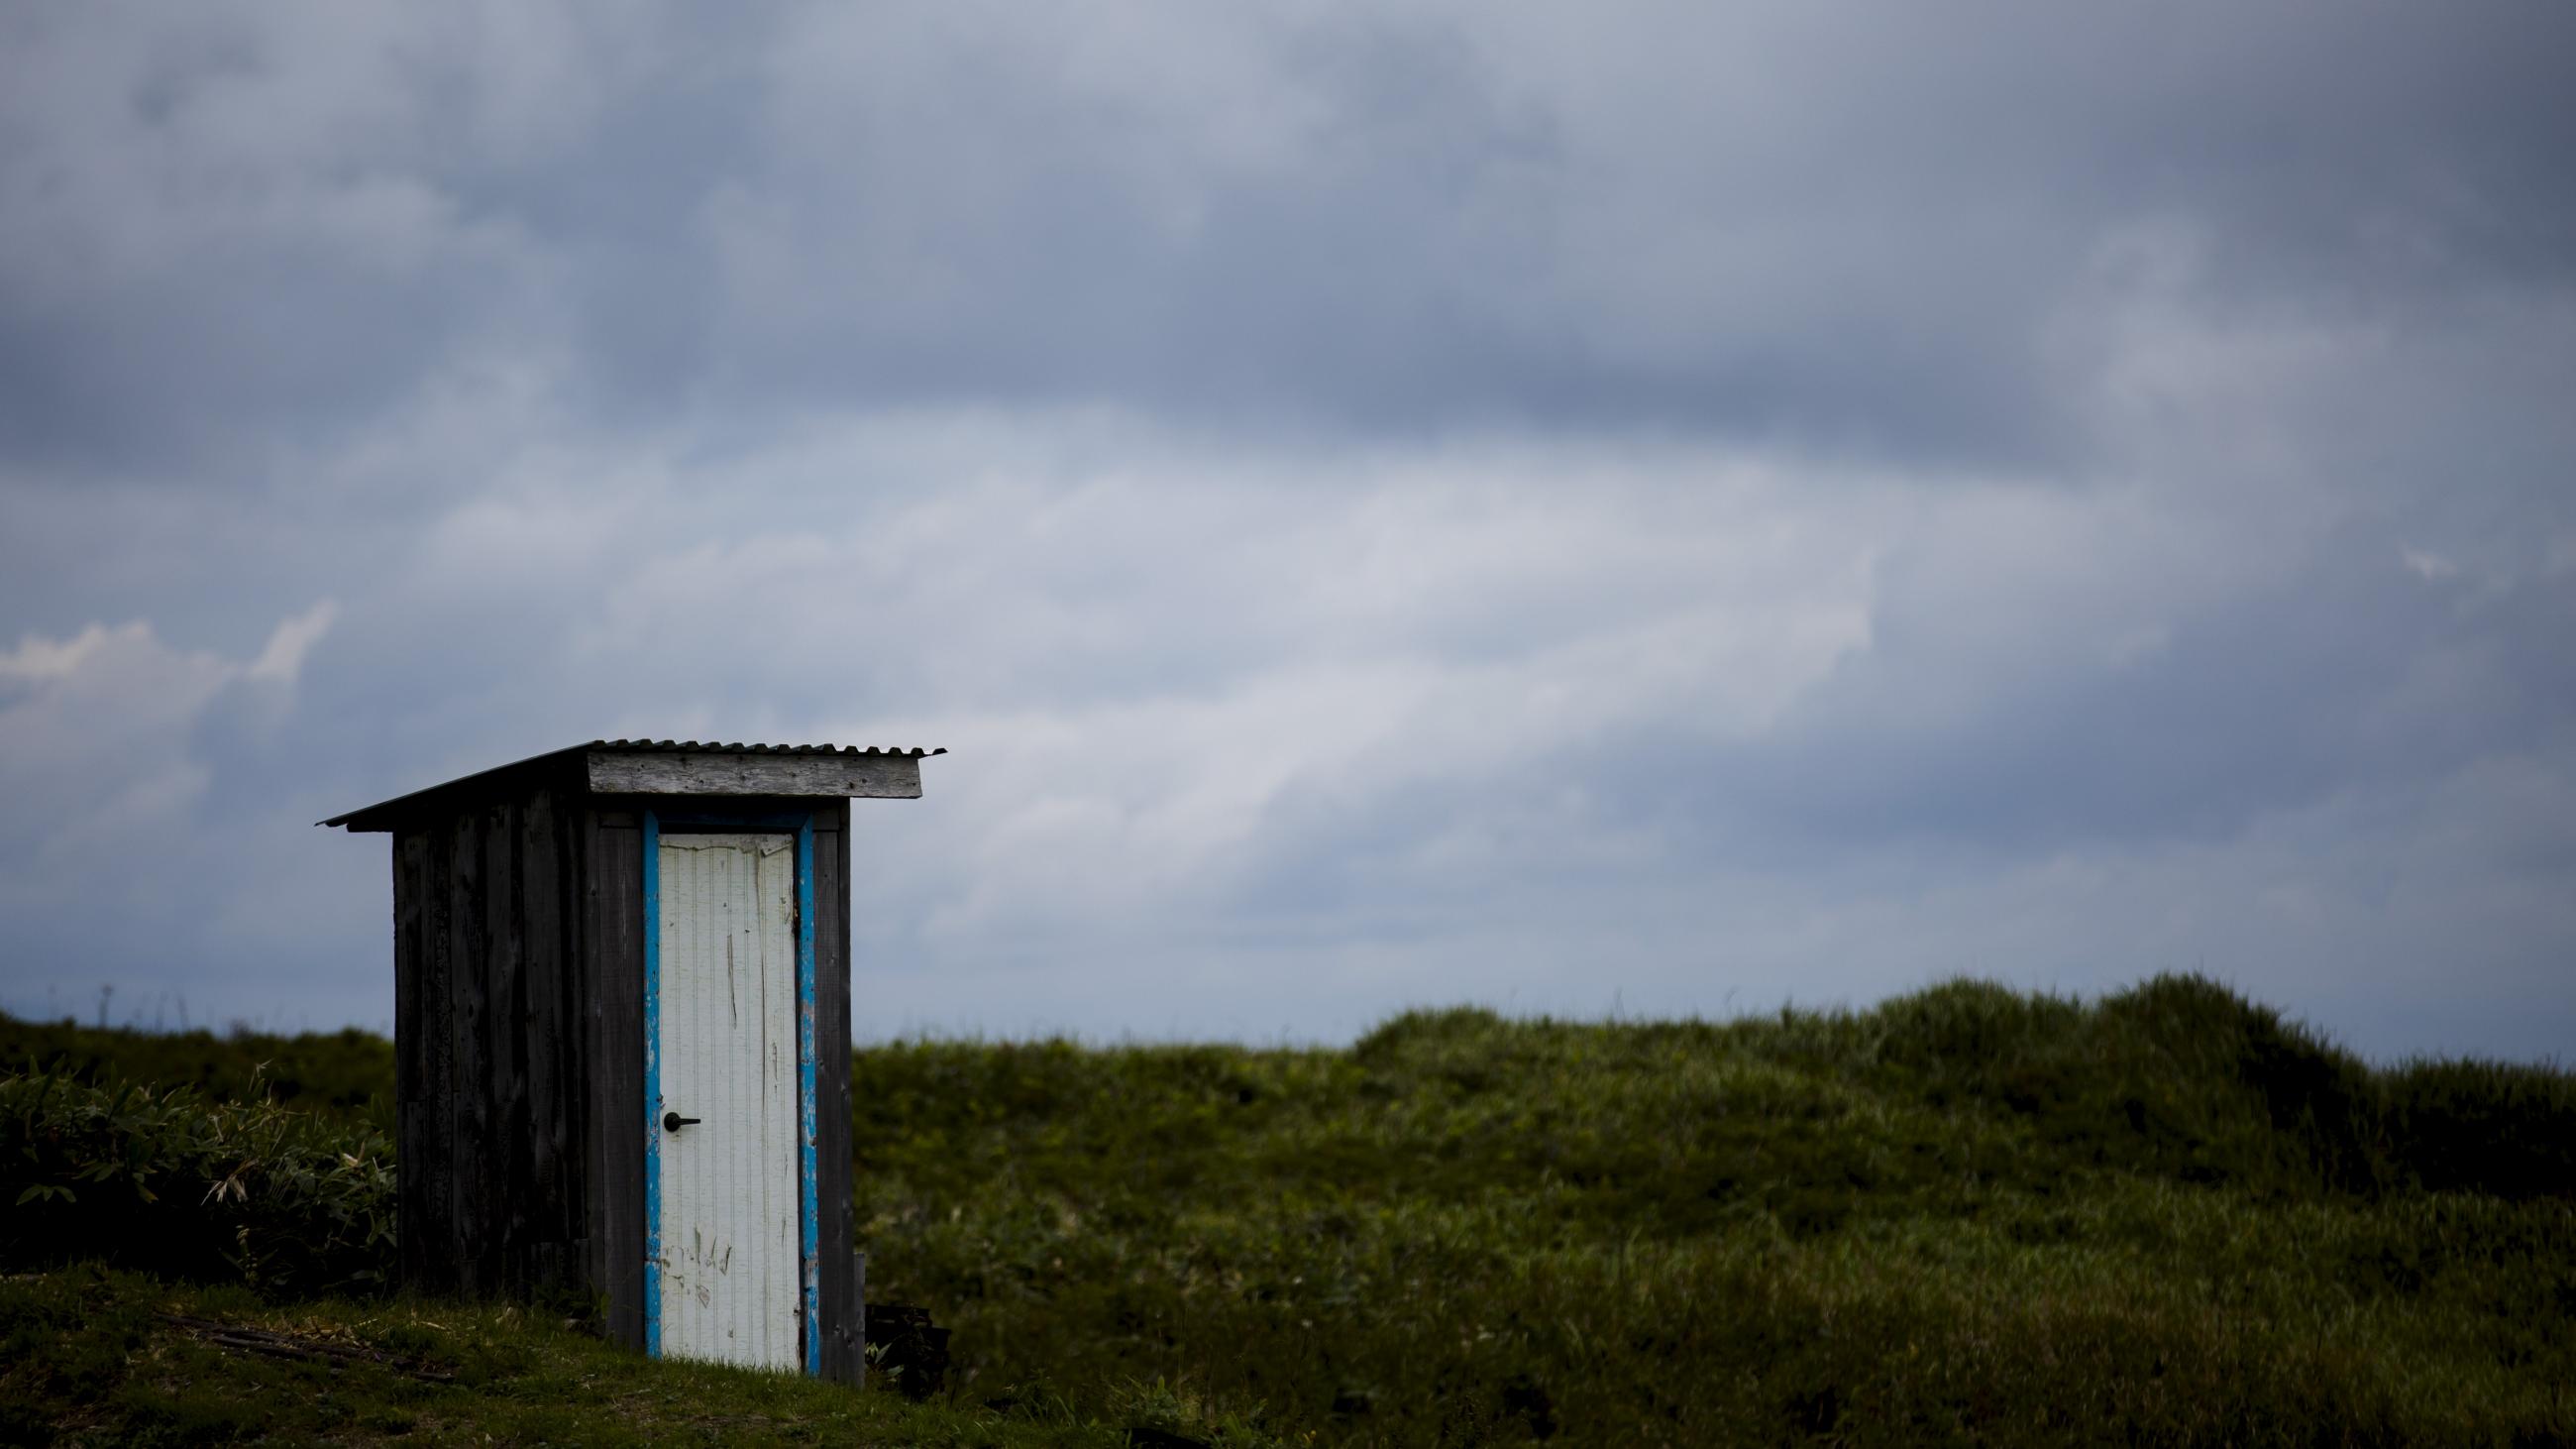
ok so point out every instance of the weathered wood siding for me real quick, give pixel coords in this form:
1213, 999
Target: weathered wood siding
487, 947
876, 777
843, 1294
616, 1068
519, 1057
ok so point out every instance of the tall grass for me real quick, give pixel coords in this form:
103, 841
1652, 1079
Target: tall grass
163, 1180
347, 1072
1970, 1215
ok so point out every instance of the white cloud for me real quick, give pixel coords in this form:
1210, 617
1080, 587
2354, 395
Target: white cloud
2427, 565
1367, 719
40, 658
98, 750
283, 657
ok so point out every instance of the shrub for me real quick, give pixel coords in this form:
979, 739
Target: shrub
2487, 1127
347, 1072
165, 1181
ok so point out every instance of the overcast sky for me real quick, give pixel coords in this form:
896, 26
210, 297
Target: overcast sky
1621, 507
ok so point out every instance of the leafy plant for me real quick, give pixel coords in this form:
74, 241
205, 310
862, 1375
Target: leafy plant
282, 1200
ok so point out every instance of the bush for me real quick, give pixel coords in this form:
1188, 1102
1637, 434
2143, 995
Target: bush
1968, 1215
167, 1182
347, 1072
2181, 1078
2467, 1126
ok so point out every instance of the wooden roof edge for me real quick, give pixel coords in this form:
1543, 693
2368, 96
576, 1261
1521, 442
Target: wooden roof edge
382, 814
812, 769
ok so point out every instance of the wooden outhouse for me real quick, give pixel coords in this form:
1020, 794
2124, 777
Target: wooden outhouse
622, 1039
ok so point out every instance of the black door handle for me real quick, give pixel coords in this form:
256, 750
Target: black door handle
673, 1121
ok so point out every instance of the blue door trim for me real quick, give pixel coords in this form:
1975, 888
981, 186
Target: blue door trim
809, 1216
652, 1084
809, 1220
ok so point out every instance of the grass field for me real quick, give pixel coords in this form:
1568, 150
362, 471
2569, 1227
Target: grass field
1967, 1216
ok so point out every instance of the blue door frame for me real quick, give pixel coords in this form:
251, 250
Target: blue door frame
809, 1265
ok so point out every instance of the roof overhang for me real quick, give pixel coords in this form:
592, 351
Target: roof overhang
680, 767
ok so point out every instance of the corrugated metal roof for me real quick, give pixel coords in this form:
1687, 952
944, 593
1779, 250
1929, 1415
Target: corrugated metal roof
649, 747
637, 747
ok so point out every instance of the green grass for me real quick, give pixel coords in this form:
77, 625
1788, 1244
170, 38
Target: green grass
244, 1191
90, 1357
347, 1072
1968, 1216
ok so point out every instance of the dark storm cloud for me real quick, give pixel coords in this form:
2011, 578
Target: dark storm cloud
1779, 221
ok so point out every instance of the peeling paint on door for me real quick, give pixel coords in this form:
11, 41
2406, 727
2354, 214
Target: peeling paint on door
726, 1037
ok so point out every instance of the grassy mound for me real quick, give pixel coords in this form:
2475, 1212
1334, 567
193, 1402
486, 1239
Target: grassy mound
1970, 1215
93, 1357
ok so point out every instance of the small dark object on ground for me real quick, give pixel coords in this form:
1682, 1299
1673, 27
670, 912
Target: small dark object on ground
244, 1339
1524, 1398
906, 1347
1143, 1437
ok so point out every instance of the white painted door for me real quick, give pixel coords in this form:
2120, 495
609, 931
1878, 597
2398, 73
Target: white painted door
726, 1029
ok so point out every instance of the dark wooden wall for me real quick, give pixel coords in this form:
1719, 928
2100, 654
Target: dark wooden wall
519, 1053
488, 941
614, 1040
844, 1330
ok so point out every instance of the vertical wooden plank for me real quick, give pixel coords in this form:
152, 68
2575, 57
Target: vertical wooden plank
411, 855
573, 903
579, 1161
844, 1334
503, 1148
541, 1213
615, 1068
550, 1190
469, 1103
429, 1247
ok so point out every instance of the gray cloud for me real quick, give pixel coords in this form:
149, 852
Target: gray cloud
1389, 504
1778, 221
